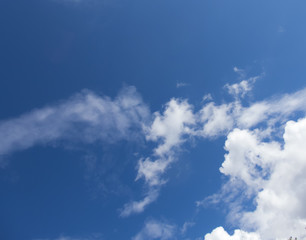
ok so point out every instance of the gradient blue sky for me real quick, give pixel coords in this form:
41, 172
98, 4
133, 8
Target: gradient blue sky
85, 86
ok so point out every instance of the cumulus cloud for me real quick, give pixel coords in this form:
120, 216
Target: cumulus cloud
156, 230
85, 117
274, 173
220, 234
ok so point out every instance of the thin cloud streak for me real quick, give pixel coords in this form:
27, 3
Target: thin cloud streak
86, 117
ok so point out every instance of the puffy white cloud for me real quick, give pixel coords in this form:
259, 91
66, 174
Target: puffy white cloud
156, 230
85, 117
280, 205
170, 126
216, 120
220, 234
249, 159
274, 172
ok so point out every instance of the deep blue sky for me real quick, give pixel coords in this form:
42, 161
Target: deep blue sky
53, 49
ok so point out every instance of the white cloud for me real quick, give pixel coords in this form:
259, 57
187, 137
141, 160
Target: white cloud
178, 122
171, 125
239, 90
274, 173
86, 117
269, 172
207, 97
152, 171
220, 234
274, 110
168, 129
156, 230
250, 160
216, 120
139, 206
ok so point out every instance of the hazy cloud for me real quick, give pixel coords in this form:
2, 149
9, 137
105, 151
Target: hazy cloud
156, 230
86, 117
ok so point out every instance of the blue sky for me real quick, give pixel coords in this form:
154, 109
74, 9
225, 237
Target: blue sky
152, 120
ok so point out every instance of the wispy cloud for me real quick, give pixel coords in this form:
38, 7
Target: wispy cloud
186, 226
86, 117
139, 206
156, 230
207, 97
239, 90
241, 72
181, 84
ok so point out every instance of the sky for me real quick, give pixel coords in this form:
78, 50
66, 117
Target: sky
147, 120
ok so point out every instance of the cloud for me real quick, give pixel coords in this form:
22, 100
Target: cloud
86, 117
262, 168
239, 90
216, 120
170, 126
156, 230
274, 174
207, 97
139, 206
274, 110
220, 234
241, 72
179, 122
185, 226
181, 84
169, 130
